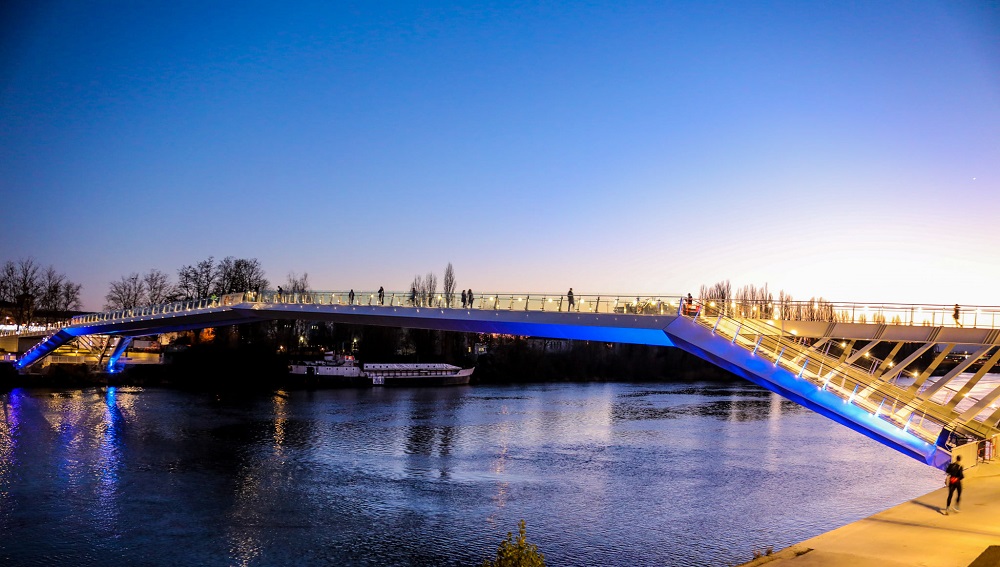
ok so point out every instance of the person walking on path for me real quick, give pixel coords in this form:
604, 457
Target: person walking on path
350, 297
381, 295
569, 298
956, 314
689, 305
413, 295
953, 479
470, 297
464, 301
279, 294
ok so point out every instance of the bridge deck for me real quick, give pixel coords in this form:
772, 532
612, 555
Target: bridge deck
786, 348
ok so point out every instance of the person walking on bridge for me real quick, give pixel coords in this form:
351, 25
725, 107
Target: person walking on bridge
956, 314
350, 297
470, 297
381, 295
464, 300
569, 298
953, 479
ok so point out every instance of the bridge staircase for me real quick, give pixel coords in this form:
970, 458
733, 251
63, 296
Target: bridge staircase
840, 382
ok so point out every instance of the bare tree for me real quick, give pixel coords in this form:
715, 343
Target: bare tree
70, 296
234, 275
26, 289
194, 282
716, 297
430, 287
125, 293
8, 275
50, 299
297, 284
157, 288
417, 291
449, 285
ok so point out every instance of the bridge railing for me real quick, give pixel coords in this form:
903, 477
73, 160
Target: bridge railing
634, 304
595, 303
925, 314
40, 329
160, 309
854, 383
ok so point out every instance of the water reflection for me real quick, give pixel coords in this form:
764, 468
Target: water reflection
604, 474
9, 434
109, 462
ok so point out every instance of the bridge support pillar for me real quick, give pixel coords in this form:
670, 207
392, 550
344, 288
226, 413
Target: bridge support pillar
123, 343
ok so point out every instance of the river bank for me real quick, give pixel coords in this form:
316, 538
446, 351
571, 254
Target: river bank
916, 533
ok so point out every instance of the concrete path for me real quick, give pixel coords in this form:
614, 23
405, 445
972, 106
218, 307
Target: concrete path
913, 534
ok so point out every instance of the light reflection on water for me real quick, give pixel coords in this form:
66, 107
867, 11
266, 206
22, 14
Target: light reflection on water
612, 474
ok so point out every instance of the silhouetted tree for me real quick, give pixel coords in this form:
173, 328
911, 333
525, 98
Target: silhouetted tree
25, 289
449, 285
235, 275
59, 295
297, 284
125, 293
430, 287
420, 288
194, 282
157, 288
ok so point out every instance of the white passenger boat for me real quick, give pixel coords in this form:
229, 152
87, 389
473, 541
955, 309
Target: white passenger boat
345, 370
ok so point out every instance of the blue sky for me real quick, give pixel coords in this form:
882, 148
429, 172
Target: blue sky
844, 150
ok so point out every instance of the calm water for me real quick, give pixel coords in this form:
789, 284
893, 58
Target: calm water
604, 474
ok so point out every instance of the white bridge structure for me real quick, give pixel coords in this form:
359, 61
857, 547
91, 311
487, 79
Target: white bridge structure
817, 354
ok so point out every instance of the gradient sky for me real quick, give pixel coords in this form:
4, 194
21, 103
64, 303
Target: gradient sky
849, 150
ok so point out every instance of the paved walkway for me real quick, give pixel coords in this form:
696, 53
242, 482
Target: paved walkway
913, 534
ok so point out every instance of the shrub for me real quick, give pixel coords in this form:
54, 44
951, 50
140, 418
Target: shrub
518, 553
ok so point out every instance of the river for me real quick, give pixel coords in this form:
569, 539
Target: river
603, 473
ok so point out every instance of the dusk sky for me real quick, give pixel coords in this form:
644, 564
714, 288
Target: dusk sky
849, 150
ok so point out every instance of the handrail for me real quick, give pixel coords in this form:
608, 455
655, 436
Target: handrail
939, 315
844, 380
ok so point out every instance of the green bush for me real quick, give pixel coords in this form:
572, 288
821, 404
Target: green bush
518, 553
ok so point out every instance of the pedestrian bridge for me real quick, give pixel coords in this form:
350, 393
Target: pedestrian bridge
818, 354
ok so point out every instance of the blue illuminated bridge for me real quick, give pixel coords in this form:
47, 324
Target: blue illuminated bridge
818, 354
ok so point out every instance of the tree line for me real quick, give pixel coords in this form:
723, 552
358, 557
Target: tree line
424, 288
202, 279
29, 292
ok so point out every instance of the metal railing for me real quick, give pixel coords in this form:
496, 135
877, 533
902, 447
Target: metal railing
160, 309
635, 304
916, 314
854, 383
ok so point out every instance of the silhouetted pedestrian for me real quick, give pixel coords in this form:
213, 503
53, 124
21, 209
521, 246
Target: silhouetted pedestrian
689, 305
569, 299
279, 293
464, 300
381, 296
413, 296
470, 297
350, 297
955, 315
953, 479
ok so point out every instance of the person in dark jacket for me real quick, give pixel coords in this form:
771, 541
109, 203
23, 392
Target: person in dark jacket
953, 479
